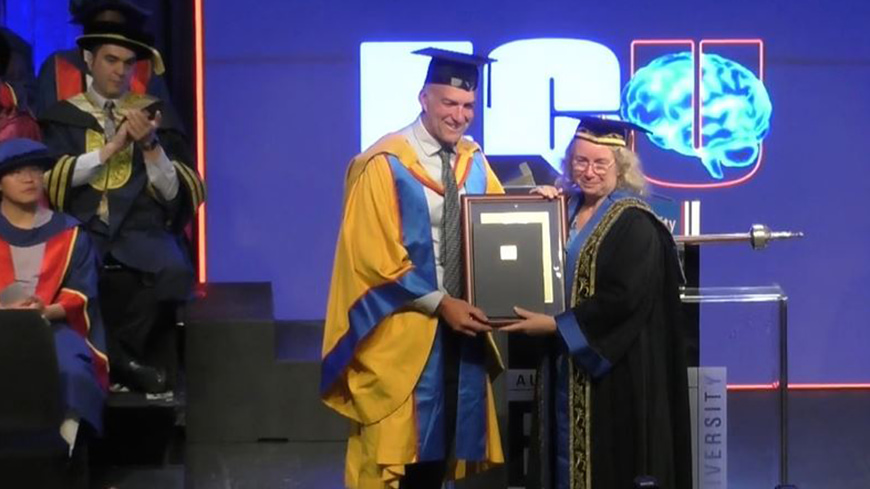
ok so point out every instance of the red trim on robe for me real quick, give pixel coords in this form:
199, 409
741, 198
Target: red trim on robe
427, 181
58, 250
7, 270
75, 306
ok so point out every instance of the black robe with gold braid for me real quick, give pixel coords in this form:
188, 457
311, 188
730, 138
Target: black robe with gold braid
612, 395
144, 231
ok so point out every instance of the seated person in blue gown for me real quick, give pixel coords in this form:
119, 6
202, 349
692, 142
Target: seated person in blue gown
47, 264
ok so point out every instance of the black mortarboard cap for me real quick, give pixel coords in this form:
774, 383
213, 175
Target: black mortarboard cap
455, 69
129, 36
84, 11
608, 132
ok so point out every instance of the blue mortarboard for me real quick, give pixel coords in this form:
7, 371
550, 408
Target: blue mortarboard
18, 152
608, 132
458, 70
83, 11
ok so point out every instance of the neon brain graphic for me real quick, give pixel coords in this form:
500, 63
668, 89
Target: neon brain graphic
735, 109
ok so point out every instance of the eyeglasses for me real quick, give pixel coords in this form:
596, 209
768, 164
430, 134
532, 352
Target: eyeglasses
599, 167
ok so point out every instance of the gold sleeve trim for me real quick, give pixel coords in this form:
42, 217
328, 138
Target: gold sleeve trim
58, 180
194, 184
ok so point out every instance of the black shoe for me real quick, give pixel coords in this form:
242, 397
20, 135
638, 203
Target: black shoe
140, 378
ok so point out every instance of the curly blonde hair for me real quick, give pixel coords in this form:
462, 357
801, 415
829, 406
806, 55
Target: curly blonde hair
629, 173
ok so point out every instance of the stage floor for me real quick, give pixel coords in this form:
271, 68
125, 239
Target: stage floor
829, 449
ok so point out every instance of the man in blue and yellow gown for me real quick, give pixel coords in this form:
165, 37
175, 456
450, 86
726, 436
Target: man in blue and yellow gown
404, 357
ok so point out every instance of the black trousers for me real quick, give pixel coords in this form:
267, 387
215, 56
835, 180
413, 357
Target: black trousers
137, 323
430, 475
424, 475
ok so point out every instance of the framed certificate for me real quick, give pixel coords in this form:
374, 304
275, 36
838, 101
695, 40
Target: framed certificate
514, 254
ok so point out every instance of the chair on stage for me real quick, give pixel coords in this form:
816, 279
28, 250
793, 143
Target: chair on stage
32, 452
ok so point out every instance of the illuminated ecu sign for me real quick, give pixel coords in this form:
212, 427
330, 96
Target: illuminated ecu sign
704, 137
707, 109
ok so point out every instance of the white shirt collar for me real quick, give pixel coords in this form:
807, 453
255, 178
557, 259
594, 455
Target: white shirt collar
427, 142
98, 99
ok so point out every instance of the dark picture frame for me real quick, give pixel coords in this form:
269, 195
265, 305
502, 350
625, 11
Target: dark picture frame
514, 250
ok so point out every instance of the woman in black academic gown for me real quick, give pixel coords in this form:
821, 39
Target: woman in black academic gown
612, 390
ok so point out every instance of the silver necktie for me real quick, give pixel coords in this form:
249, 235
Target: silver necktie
109, 127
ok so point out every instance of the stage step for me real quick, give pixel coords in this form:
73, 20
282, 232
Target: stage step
245, 380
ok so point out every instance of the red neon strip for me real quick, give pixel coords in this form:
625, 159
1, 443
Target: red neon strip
829, 386
798, 387
200, 133
753, 387
664, 183
698, 123
656, 42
